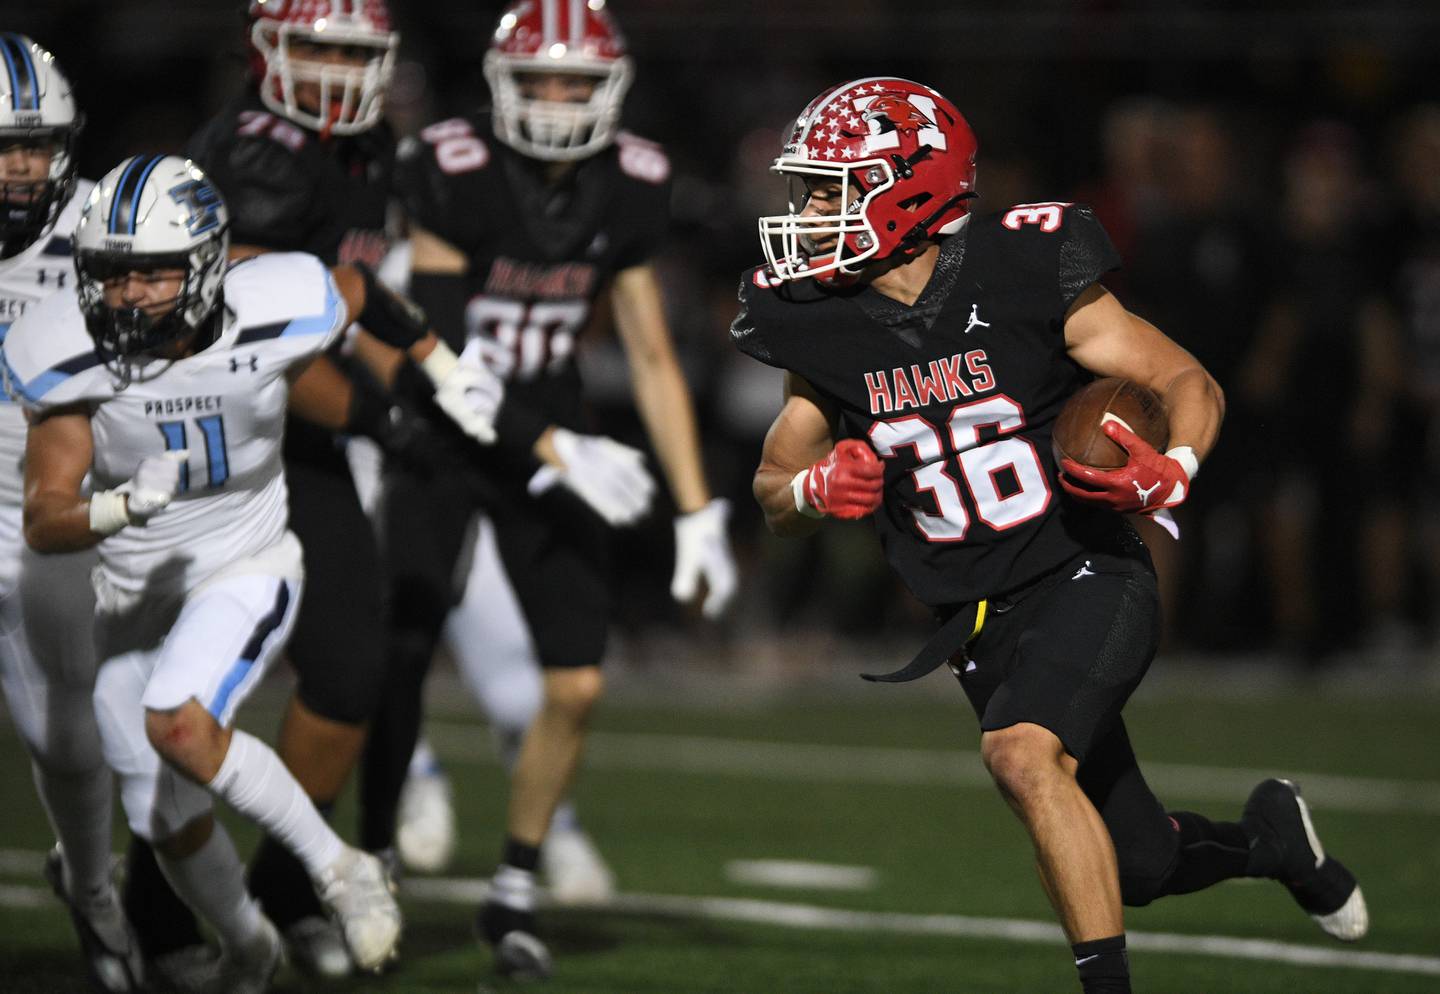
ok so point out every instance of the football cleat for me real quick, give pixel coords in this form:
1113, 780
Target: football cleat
317, 948
187, 970
519, 953
1276, 815
112, 953
250, 970
575, 872
425, 830
361, 897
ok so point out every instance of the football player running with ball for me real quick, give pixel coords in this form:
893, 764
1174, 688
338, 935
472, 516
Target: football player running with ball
47, 659
927, 354
164, 378
522, 218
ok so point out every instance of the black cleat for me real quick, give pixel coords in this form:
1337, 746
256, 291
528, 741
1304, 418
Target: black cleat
112, 953
1277, 816
519, 954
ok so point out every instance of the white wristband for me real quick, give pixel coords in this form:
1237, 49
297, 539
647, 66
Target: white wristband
797, 487
1185, 456
440, 363
108, 512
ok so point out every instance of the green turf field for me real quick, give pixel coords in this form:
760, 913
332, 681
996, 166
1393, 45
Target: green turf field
683, 779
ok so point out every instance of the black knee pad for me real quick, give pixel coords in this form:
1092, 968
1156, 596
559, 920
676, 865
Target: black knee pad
1145, 865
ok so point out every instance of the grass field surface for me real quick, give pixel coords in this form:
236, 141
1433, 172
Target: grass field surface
686, 779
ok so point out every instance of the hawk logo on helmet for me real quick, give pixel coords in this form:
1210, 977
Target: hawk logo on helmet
901, 114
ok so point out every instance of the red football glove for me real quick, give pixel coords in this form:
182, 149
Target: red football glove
848, 483
1149, 481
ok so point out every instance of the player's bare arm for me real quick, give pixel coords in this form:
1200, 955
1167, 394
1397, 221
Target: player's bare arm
1108, 340
58, 452
661, 394
800, 436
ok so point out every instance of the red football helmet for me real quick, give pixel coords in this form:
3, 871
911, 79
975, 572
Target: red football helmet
540, 37
351, 97
904, 158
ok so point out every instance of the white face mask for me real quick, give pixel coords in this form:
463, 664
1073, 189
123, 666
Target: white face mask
352, 98
557, 131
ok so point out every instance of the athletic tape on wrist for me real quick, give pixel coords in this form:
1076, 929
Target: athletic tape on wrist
440, 363
803, 505
1185, 456
108, 512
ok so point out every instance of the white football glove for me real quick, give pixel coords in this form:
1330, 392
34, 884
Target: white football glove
608, 476
702, 549
140, 498
465, 389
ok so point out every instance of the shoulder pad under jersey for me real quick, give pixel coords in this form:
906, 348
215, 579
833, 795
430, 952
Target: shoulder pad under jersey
50, 358
285, 296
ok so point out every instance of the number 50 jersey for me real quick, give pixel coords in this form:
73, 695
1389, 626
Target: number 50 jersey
225, 405
957, 394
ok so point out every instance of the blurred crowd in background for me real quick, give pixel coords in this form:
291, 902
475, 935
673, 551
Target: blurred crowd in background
1272, 179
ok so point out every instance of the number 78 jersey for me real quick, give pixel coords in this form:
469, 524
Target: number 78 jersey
957, 394
224, 405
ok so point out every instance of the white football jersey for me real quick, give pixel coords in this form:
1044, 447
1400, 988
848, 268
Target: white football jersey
25, 279
225, 405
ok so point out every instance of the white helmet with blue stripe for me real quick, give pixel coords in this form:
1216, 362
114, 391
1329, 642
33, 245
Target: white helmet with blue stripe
151, 212
36, 110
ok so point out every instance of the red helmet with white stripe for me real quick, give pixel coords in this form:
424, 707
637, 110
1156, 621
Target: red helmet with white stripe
351, 93
904, 159
571, 37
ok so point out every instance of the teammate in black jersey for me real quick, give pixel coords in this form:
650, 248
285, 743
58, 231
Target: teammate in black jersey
522, 220
950, 343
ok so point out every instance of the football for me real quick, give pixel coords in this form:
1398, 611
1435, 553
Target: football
1079, 430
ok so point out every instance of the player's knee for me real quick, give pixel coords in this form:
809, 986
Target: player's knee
188, 738
1023, 760
572, 693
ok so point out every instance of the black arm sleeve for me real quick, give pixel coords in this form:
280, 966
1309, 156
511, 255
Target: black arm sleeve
388, 316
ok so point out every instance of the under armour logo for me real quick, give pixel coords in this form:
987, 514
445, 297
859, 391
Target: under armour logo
1083, 571
1144, 494
975, 321
236, 365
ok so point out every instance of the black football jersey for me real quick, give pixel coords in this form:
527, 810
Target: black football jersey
289, 190
958, 394
540, 253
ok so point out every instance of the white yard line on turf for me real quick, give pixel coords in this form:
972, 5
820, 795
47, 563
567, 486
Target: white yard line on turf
472, 891
806, 916
931, 767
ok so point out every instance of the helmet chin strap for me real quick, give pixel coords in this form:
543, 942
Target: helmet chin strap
921, 231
